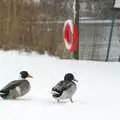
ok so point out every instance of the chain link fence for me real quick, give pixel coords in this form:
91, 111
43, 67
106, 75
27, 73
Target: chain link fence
94, 39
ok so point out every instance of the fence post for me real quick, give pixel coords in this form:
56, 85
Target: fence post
119, 59
76, 21
110, 38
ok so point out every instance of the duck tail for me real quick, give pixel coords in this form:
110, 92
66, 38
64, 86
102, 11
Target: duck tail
2, 93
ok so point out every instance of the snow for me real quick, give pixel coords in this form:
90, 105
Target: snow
97, 96
116, 3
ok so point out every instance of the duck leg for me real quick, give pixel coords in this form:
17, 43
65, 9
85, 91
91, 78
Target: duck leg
71, 100
58, 100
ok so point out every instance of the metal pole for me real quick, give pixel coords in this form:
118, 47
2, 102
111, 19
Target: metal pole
76, 21
110, 38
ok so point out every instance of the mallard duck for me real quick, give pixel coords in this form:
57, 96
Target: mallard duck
65, 89
16, 88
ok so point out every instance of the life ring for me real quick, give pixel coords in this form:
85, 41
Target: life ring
70, 36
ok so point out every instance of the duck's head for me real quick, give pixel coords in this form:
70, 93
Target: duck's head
69, 77
24, 74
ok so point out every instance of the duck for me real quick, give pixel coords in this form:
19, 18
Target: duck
65, 89
16, 88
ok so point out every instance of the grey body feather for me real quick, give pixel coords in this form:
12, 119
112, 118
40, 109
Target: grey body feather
64, 90
15, 88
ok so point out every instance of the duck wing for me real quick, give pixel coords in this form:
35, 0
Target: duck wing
11, 85
58, 87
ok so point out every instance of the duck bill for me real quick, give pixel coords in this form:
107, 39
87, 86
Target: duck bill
75, 80
30, 76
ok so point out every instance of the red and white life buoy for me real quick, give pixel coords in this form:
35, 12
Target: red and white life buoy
70, 36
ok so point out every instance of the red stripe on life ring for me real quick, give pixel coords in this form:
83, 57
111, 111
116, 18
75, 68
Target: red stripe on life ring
70, 36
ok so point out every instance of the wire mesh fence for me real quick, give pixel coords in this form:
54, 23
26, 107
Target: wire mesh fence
94, 39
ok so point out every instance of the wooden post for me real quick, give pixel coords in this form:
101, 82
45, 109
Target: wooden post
76, 21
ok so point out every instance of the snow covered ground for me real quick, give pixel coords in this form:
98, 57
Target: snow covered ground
97, 96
